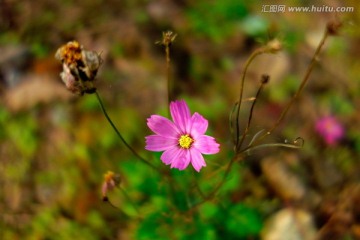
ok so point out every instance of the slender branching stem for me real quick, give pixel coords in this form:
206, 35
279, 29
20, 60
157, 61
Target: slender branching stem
264, 80
119, 134
235, 158
313, 61
303, 83
238, 142
247, 64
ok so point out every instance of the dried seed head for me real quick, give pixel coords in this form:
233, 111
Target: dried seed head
70, 81
168, 38
79, 67
69, 53
92, 60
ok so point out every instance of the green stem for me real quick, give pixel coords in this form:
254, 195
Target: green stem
120, 136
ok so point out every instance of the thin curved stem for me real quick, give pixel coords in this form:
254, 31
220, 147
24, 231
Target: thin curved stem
264, 80
236, 141
168, 38
286, 145
247, 64
169, 83
119, 134
237, 145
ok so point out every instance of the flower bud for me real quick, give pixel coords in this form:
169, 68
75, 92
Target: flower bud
274, 46
111, 180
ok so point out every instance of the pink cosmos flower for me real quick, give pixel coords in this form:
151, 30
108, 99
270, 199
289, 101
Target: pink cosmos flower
330, 129
183, 140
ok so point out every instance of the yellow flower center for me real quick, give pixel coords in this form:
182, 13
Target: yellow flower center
185, 141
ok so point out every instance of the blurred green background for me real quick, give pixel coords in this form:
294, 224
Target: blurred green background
55, 147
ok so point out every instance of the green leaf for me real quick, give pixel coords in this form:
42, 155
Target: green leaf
243, 222
233, 181
208, 210
151, 227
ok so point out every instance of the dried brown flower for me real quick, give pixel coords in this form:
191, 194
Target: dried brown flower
79, 67
168, 38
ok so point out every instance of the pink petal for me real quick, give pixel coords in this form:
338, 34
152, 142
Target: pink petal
199, 125
180, 113
197, 160
330, 140
337, 131
159, 143
206, 145
162, 126
171, 154
182, 160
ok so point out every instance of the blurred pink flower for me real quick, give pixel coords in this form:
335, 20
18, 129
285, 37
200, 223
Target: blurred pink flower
183, 140
330, 129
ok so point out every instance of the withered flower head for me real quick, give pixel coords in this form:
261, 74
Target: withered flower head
168, 38
69, 53
79, 67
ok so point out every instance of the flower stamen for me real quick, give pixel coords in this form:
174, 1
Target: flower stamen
185, 141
